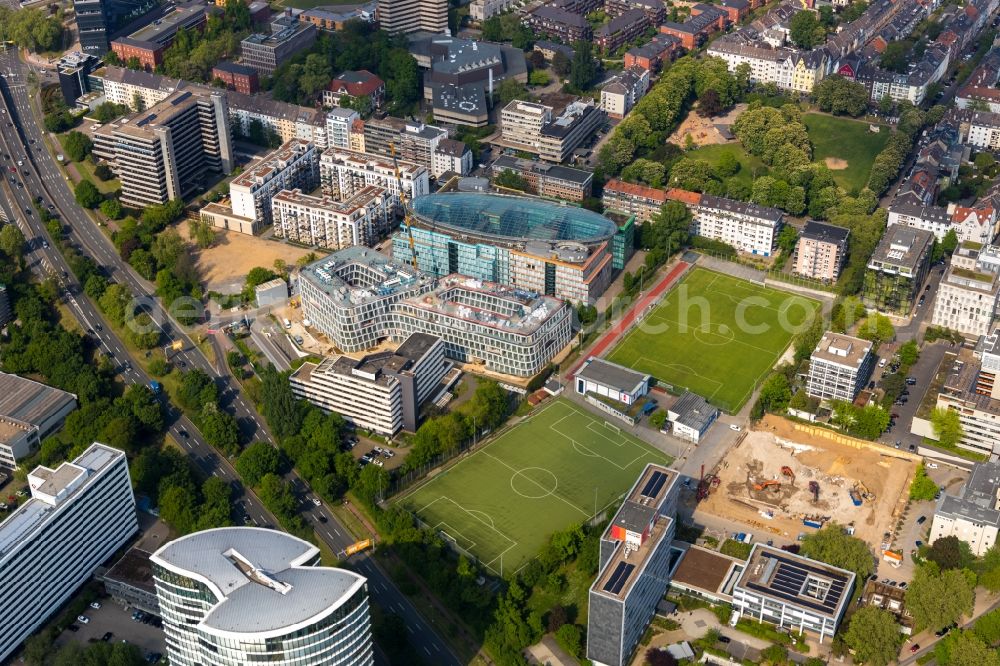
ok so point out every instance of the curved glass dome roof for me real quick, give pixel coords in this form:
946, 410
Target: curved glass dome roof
512, 218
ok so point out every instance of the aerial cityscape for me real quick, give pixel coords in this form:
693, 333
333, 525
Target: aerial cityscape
500, 332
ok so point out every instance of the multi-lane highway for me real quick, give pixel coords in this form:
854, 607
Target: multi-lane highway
38, 175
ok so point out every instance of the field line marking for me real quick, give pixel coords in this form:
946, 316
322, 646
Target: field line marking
540, 486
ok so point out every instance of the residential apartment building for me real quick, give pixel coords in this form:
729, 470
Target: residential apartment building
480, 10
416, 142
704, 21
635, 567
266, 53
29, 412
358, 297
343, 173
651, 55
971, 390
792, 591
356, 84
655, 10
166, 152
381, 392
839, 367
984, 130
559, 24
623, 91
821, 251
521, 123
78, 515
621, 30
747, 227
640, 200
295, 165
361, 219
237, 77
787, 68
451, 156
972, 515
339, 123
897, 270
350, 295
405, 16
287, 121
231, 594
547, 180
968, 294
935, 219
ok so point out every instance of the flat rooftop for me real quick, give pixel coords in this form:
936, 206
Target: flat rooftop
357, 275
134, 569
611, 374
707, 570
901, 247
842, 349
640, 508
800, 581
29, 401
511, 310
262, 578
163, 30
273, 163
22, 523
358, 200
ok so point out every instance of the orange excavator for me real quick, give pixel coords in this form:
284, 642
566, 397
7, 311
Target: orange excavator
787, 471
767, 484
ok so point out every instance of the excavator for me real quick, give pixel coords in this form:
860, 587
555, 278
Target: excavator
787, 471
767, 484
407, 212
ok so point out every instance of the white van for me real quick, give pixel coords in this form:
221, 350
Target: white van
288, 324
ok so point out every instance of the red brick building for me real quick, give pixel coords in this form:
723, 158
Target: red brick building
237, 77
149, 54
361, 83
652, 55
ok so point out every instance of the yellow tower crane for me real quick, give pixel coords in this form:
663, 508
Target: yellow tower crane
407, 213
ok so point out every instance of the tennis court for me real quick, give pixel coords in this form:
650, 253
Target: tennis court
559, 467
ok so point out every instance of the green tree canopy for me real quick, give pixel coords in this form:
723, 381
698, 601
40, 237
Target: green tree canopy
937, 599
874, 636
87, 194
256, 461
834, 546
947, 426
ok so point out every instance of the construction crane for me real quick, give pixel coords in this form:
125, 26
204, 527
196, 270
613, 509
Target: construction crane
787, 471
767, 484
407, 213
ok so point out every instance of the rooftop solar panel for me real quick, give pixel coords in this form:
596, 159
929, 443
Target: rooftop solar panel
655, 484
788, 580
622, 573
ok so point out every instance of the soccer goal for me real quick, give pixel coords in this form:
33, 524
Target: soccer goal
612, 426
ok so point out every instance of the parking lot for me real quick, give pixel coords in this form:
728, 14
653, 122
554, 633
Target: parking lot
118, 620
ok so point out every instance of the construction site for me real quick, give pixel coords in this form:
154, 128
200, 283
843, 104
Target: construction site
787, 482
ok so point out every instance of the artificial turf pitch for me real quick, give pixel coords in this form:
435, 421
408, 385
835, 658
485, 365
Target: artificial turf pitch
715, 335
559, 467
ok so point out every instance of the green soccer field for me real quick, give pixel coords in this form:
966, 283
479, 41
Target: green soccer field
557, 468
715, 335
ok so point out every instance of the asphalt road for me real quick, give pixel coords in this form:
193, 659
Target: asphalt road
21, 138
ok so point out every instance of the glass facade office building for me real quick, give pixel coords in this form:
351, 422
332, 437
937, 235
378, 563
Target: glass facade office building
238, 595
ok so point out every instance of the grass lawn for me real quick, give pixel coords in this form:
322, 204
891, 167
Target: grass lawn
715, 335
86, 170
748, 163
848, 140
556, 468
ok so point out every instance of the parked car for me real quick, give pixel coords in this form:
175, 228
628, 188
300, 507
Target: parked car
107, 636
96, 605
921, 520
83, 619
914, 648
931, 465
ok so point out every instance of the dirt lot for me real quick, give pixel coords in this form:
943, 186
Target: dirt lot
837, 468
836, 164
224, 266
702, 130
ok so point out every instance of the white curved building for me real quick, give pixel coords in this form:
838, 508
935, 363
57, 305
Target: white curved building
244, 595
